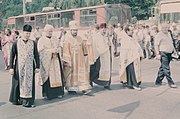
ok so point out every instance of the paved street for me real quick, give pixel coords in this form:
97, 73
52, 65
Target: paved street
120, 103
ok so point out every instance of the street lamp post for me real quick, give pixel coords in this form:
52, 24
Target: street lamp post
24, 7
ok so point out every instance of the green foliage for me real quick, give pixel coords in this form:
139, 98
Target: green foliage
11, 8
140, 8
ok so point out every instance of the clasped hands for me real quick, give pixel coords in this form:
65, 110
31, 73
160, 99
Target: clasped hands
54, 51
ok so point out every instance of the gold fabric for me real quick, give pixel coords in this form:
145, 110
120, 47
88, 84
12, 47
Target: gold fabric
76, 68
25, 66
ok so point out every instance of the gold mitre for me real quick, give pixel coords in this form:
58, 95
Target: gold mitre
73, 25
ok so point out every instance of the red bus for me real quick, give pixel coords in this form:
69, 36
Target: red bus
86, 17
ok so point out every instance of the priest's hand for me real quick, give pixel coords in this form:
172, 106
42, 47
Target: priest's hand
141, 58
38, 79
55, 51
37, 70
65, 64
109, 43
11, 71
40, 82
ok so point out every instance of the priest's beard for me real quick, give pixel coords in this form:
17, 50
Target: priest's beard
130, 35
74, 32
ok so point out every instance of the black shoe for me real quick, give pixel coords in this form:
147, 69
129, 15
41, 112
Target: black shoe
137, 88
124, 84
139, 83
158, 84
60, 97
29, 106
107, 87
87, 92
91, 83
72, 92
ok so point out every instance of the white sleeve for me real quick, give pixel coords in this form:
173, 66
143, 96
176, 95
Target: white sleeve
157, 42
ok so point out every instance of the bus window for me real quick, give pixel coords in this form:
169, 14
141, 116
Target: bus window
54, 19
117, 15
11, 26
176, 17
129, 14
30, 20
88, 17
30, 23
19, 23
66, 17
41, 21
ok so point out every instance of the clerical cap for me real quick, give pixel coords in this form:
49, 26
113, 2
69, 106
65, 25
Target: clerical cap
27, 28
48, 27
103, 25
73, 25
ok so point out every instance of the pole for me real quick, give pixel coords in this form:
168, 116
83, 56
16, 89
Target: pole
24, 7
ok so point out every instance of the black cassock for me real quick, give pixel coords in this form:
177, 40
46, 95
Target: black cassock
94, 74
131, 76
15, 89
53, 92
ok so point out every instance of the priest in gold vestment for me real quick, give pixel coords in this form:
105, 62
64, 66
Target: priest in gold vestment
76, 64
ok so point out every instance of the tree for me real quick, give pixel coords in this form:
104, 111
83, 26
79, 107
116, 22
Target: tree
11, 8
140, 8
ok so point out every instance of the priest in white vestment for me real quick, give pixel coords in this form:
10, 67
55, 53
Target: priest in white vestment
100, 72
130, 53
51, 73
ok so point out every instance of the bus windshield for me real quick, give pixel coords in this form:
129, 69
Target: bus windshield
117, 15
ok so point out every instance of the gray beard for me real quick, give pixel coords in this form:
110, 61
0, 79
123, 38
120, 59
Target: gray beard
74, 35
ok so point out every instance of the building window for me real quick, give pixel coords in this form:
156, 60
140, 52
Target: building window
165, 18
176, 17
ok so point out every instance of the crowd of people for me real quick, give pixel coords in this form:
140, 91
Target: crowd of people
75, 63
